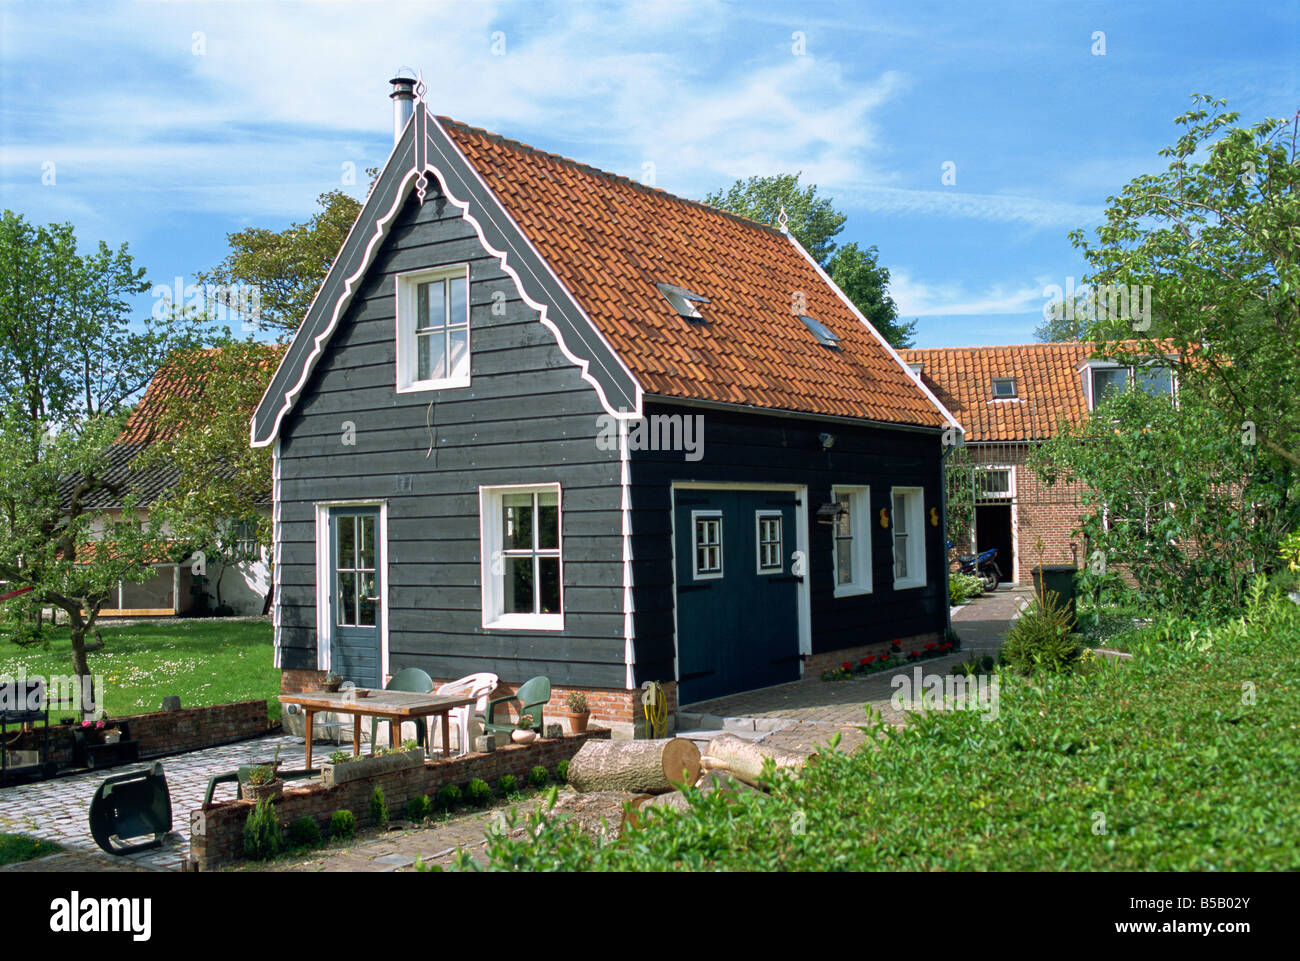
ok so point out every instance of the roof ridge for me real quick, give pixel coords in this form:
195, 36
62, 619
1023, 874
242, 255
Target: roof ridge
618, 178
1048, 343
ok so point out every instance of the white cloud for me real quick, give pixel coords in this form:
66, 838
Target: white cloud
916, 298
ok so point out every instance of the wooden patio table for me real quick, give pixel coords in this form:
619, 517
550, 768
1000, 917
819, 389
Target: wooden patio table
395, 706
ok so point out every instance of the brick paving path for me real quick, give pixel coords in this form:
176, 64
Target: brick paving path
57, 810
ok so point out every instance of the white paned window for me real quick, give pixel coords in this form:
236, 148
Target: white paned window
851, 540
908, 525
433, 329
707, 547
769, 535
523, 570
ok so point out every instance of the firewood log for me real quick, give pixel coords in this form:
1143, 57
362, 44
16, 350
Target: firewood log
642, 767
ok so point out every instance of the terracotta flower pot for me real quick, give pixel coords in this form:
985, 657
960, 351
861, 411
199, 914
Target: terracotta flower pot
578, 722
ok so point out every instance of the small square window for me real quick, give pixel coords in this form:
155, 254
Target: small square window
1004, 387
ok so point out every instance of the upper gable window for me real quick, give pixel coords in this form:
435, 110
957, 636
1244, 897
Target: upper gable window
825, 336
1105, 380
433, 329
1004, 388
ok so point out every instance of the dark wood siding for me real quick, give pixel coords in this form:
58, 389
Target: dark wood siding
743, 448
526, 418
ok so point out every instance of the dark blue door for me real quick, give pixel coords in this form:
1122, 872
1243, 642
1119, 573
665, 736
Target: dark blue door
355, 585
737, 595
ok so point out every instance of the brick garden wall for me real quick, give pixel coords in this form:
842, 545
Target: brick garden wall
217, 832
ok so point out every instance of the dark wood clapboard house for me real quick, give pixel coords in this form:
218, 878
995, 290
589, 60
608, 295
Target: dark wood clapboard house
542, 419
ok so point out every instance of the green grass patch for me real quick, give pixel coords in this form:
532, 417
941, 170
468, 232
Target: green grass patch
203, 661
19, 847
1184, 758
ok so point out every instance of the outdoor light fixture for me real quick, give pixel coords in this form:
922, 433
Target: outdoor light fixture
828, 441
830, 513
884, 517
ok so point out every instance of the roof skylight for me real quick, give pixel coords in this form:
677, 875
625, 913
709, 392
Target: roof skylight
683, 300
825, 336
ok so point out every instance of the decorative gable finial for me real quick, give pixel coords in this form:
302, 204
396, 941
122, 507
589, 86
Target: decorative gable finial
782, 219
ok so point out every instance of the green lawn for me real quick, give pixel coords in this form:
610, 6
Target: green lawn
1183, 758
202, 661
19, 847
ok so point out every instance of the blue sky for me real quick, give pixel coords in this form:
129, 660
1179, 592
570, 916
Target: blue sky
170, 124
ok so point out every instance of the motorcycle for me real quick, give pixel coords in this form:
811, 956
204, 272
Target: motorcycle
983, 566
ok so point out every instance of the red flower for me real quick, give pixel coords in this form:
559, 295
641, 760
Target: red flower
931, 646
868, 659
847, 666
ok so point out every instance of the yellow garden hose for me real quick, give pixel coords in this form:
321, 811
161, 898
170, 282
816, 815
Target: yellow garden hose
655, 706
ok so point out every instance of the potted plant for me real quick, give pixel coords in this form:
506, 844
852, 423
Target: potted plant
578, 712
332, 682
523, 732
261, 781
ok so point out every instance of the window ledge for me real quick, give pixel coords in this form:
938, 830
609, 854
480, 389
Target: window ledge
851, 590
525, 622
425, 385
908, 584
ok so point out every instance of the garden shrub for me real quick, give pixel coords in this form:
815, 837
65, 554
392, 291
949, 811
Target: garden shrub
448, 796
478, 792
507, 784
1188, 776
1040, 639
417, 809
379, 808
538, 777
343, 825
962, 587
262, 839
562, 772
304, 832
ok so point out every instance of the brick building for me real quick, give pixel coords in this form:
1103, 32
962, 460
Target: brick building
1010, 399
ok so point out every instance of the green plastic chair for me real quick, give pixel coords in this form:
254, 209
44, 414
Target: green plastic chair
240, 777
531, 697
130, 806
413, 681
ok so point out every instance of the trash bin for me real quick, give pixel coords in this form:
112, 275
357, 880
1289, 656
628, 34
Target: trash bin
1059, 579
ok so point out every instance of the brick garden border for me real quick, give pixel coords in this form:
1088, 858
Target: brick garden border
217, 831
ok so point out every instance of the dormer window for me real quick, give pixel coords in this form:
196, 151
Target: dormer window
825, 336
1102, 380
433, 329
683, 300
1004, 388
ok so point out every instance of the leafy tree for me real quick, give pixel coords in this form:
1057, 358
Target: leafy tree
217, 505
1217, 237
70, 360
1172, 496
285, 267
815, 222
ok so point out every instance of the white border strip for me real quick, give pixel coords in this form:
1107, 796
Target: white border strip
277, 557
625, 495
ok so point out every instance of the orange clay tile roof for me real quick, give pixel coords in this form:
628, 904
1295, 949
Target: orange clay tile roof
173, 380
1049, 387
610, 240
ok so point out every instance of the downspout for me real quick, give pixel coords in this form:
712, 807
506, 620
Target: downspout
943, 501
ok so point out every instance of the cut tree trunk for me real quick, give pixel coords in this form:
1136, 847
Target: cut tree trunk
642, 767
744, 759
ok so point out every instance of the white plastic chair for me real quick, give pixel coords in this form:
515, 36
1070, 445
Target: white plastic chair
478, 686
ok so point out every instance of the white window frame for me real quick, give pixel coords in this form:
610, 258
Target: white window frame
696, 573
405, 293
1015, 393
759, 517
996, 497
860, 545
491, 538
915, 530
1131, 375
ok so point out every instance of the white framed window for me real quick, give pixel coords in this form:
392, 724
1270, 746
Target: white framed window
851, 540
1104, 379
1004, 388
433, 329
995, 483
522, 557
769, 537
908, 525
706, 547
